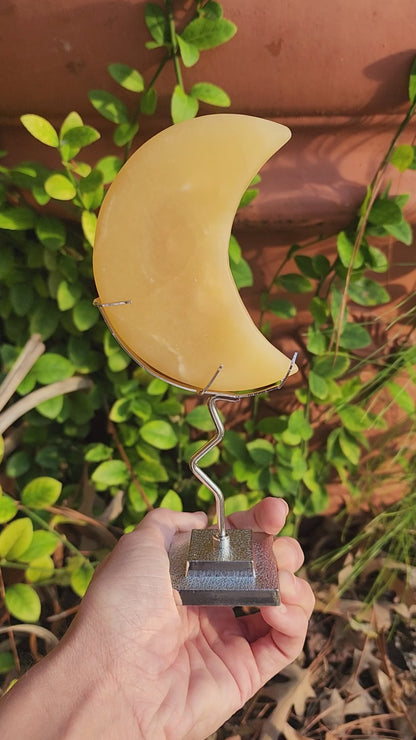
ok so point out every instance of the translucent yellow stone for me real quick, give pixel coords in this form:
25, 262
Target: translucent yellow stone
162, 245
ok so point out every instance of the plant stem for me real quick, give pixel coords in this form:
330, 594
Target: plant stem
45, 525
371, 196
172, 32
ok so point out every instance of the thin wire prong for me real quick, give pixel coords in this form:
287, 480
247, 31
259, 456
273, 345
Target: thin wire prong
217, 372
98, 303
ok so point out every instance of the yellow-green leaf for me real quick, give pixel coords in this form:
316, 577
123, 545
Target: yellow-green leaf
41, 129
22, 602
16, 538
41, 492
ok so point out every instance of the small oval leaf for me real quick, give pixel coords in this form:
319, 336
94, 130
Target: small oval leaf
41, 129
41, 492
22, 602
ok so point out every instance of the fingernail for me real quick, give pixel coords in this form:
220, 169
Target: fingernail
286, 505
282, 608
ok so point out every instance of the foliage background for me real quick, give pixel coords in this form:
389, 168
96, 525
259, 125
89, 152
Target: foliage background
104, 442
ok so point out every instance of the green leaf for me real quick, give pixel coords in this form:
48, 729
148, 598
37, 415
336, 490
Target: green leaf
367, 292
412, 82
118, 361
136, 499
402, 157
141, 408
51, 408
84, 315
189, 52
98, 452
148, 102
282, 308
299, 424
51, 231
331, 365
354, 336
402, 232
317, 342
212, 9
16, 538
40, 129
349, 447
319, 310
109, 106
211, 94
354, 418
261, 451
22, 602
171, 500
120, 410
200, 418
111, 473
89, 226
156, 22
385, 211
318, 385
40, 569
67, 295
17, 218
41, 492
125, 133
81, 577
207, 33
44, 319
127, 77
21, 297
183, 107
306, 266
209, 459
43, 543
76, 139
60, 187
345, 249
294, 283
242, 273
375, 258
399, 395
109, 167
248, 197
159, 434
6, 662
8, 508
239, 502
151, 471
51, 367
235, 445
73, 120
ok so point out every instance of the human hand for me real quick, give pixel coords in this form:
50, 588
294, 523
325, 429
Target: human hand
179, 672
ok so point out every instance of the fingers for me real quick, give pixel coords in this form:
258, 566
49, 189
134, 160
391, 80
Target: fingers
277, 633
269, 516
294, 591
288, 554
162, 525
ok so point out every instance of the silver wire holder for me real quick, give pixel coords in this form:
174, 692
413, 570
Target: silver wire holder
197, 456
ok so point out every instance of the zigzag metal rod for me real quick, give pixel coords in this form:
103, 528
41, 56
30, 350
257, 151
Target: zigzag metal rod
200, 474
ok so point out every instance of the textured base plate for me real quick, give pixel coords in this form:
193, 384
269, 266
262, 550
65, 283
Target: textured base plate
239, 572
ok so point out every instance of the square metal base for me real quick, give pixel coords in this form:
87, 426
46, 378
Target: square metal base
237, 571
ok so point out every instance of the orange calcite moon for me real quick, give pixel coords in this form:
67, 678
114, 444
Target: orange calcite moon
162, 245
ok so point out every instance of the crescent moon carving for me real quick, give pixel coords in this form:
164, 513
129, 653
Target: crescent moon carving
161, 256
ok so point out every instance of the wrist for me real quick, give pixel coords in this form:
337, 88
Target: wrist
67, 696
